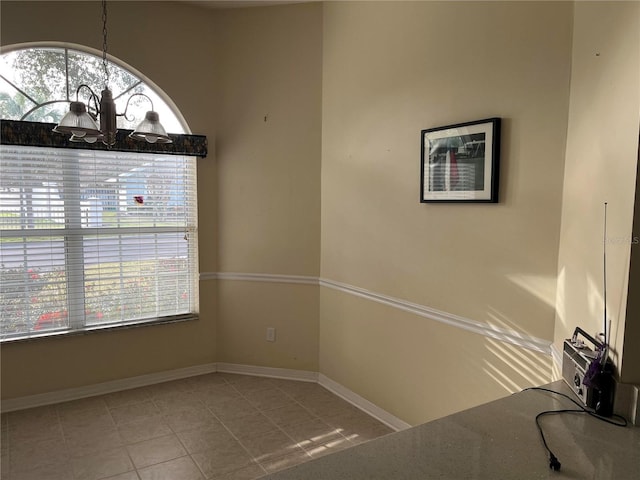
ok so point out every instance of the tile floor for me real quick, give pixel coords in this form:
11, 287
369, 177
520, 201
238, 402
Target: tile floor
216, 426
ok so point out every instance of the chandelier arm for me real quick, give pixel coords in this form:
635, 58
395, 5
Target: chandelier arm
129, 100
92, 96
96, 102
84, 85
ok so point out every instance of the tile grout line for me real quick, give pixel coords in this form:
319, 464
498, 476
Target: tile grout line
282, 430
124, 445
218, 419
305, 408
254, 459
313, 414
318, 417
188, 454
65, 440
230, 432
150, 399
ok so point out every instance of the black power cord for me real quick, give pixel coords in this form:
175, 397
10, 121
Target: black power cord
554, 463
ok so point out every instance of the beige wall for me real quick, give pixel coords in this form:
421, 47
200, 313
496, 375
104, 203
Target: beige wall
268, 102
246, 309
186, 75
600, 166
414, 368
313, 113
269, 66
390, 70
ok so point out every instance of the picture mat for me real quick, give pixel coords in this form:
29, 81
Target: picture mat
431, 137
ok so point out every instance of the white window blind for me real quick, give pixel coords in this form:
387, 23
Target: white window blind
92, 239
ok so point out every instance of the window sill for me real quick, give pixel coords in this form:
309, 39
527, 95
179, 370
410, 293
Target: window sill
97, 328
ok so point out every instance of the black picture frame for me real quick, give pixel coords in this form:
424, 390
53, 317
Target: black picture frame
460, 162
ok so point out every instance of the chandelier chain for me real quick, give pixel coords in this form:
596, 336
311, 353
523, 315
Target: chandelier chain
104, 43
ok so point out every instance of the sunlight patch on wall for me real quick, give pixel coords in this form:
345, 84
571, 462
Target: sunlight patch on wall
543, 287
561, 297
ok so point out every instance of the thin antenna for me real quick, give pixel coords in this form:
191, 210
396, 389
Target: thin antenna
604, 270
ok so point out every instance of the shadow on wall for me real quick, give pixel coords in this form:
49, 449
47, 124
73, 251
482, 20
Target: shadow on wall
515, 368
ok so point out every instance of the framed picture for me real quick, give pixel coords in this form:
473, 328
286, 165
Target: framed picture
460, 163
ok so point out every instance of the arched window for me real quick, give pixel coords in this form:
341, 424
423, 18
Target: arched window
37, 84
91, 237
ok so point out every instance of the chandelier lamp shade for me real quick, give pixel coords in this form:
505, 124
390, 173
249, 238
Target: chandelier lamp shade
81, 122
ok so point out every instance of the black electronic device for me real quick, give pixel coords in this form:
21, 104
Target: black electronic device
589, 372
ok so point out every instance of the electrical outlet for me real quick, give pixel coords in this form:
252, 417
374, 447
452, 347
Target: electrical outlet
271, 334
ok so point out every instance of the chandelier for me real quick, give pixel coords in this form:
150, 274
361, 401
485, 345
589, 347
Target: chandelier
81, 120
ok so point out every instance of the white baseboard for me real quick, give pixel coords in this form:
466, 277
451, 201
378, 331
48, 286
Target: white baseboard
68, 394
362, 403
271, 372
39, 400
302, 375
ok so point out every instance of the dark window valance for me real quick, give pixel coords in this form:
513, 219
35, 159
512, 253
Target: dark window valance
36, 134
